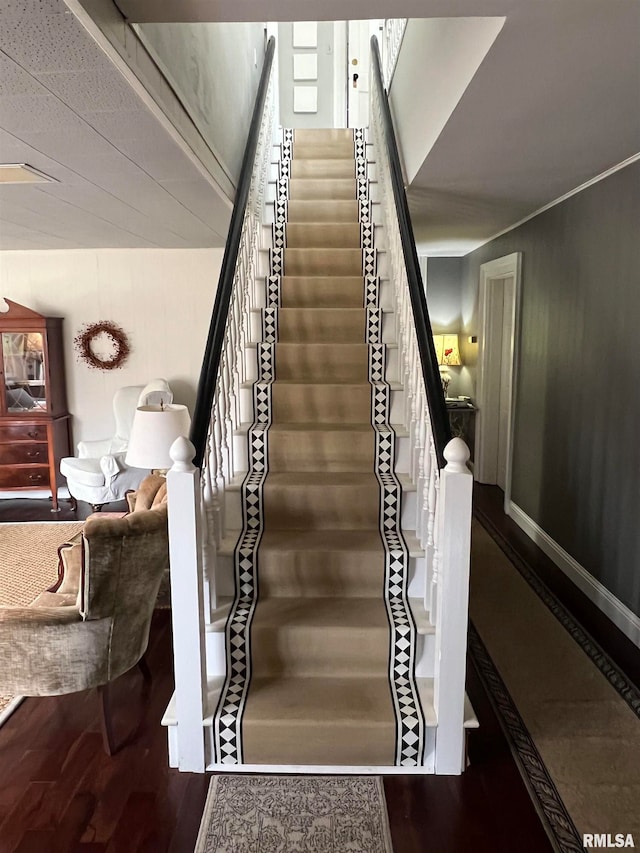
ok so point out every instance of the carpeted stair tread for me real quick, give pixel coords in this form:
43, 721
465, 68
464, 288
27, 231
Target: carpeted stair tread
323, 262
307, 235
318, 500
322, 721
321, 325
322, 479
328, 291
326, 167
357, 613
320, 447
330, 700
296, 401
322, 210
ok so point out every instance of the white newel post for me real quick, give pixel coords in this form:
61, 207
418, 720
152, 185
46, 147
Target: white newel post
183, 490
456, 486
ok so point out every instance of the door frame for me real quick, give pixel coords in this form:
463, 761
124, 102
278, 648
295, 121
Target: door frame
509, 266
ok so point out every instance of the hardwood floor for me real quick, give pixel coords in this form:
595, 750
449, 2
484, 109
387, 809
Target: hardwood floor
60, 793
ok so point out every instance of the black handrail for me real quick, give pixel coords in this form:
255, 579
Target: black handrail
215, 339
426, 348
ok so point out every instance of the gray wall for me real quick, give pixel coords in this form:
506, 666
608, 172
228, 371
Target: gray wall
576, 467
212, 69
443, 282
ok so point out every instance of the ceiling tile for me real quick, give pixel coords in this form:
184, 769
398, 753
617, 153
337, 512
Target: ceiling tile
49, 42
14, 80
91, 90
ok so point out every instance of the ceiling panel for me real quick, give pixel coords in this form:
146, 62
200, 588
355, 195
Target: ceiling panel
66, 110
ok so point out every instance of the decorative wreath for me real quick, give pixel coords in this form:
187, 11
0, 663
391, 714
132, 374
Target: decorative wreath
86, 336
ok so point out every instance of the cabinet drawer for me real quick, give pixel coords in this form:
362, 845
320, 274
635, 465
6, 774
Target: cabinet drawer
31, 475
23, 432
23, 453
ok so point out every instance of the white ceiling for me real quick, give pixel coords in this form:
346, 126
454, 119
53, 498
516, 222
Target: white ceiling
554, 103
122, 178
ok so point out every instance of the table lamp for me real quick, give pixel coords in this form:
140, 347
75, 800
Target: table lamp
448, 355
154, 430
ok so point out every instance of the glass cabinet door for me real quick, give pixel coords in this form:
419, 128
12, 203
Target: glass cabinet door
24, 371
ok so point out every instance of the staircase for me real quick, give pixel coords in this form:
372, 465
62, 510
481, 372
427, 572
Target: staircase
317, 646
323, 655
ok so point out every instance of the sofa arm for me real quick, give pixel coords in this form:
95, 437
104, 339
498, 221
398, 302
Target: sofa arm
94, 449
46, 651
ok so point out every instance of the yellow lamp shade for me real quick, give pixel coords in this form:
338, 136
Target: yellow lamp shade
447, 349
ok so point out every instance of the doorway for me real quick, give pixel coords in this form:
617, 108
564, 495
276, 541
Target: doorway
324, 73
498, 302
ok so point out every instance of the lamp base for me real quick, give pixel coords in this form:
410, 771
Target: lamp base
445, 378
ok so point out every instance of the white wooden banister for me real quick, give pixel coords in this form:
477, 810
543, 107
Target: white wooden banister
196, 495
456, 488
185, 556
443, 501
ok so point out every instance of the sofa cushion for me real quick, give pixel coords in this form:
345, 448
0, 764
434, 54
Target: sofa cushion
55, 599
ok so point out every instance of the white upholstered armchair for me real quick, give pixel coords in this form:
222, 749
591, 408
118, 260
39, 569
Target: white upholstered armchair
99, 474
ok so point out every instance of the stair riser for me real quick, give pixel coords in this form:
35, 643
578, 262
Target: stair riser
332, 450
301, 574
323, 235
323, 262
314, 362
309, 189
322, 211
326, 507
318, 742
306, 403
318, 292
328, 168
319, 651
294, 509
323, 404
323, 151
321, 325
351, 574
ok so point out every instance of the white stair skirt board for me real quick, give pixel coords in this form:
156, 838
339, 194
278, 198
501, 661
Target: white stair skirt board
606, 601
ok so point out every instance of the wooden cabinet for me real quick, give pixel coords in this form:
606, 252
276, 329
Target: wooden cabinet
35, 428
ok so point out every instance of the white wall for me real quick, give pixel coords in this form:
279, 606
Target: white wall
437, 61
162, 298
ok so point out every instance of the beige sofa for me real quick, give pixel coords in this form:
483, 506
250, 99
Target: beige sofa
93, 625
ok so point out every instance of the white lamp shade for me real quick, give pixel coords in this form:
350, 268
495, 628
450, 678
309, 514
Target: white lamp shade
154, 431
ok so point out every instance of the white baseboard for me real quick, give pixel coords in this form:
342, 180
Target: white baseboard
623, 618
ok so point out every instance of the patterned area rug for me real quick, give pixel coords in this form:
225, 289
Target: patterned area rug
294, 814
29, 564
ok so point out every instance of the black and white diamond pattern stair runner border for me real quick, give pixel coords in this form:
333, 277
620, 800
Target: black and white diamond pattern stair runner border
410, 724
227, 729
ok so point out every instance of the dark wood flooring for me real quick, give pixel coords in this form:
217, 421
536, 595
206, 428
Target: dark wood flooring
60, 793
